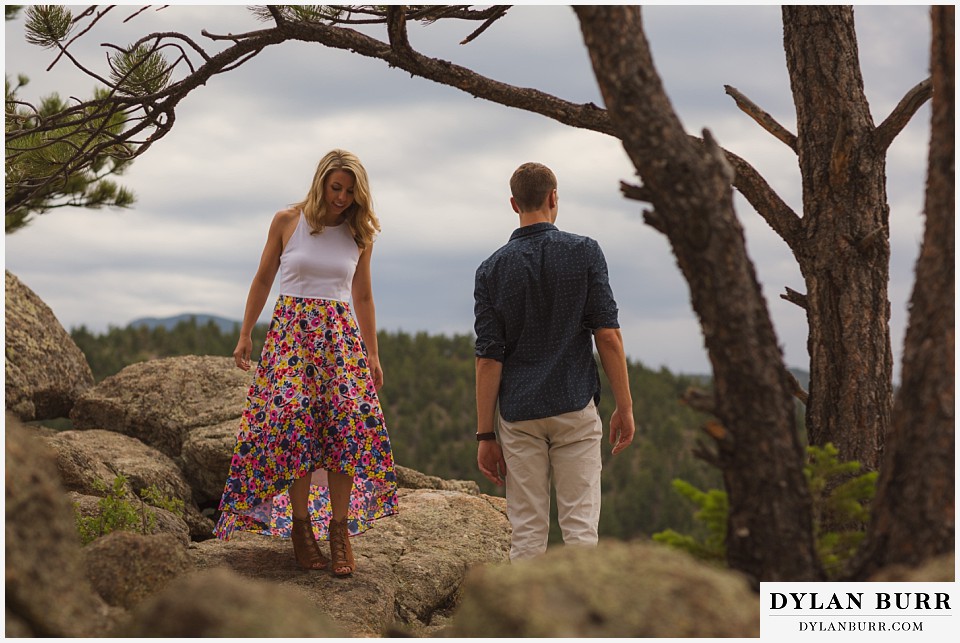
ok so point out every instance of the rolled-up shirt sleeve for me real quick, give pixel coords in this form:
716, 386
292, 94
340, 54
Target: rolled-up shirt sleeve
491, 341
601, 309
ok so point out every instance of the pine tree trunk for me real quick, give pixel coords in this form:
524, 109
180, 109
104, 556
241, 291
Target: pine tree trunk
843, 248
770, 526
913, 515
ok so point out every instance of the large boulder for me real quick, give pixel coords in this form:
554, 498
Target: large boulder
205, 459
45, 371
87, 460
219, 603
125, 568
409, 566
47, 593
160, 401
635, 590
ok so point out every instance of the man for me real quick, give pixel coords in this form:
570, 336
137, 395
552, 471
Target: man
540, 302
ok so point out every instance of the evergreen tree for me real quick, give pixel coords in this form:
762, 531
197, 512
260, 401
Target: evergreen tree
41, 173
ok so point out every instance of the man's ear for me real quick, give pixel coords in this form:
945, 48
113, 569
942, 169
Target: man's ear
552, 199
513, 204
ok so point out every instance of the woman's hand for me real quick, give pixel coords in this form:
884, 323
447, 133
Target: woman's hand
241, 354
375, 371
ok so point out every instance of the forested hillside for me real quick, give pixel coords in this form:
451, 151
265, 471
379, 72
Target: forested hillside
428, 400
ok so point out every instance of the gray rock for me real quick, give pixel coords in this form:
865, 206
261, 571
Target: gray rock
125, 568
412, 479
634, 590
219, 603
16, 627
160, 401
205, 459
935, 570
84, 457
45, 371
409, 566
47, 593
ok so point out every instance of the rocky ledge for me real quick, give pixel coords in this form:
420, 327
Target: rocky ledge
410, 566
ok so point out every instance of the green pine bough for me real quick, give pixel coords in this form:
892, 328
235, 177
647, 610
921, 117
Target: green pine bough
841, 497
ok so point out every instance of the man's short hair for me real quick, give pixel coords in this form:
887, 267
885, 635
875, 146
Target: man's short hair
530, 185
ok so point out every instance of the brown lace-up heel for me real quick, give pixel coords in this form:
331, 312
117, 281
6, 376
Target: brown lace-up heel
305, 546
340, 550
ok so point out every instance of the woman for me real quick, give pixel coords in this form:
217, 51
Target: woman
313, 459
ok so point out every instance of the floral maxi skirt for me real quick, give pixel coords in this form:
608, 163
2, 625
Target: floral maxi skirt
313, 408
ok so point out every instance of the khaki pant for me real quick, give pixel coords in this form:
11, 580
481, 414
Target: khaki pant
565, 449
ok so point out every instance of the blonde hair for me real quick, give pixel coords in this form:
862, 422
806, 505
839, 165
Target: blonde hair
360, 216
530, 185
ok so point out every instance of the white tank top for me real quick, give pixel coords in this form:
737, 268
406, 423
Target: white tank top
319, 266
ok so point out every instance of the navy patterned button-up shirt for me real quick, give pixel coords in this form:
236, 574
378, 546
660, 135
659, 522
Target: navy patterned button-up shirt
537, 301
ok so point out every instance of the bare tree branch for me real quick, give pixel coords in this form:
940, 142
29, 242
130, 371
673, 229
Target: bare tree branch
136, 13
794, 297
768, 204
636, 192
902, 113
502, 11
798, 390
275, 12
587, 116
88, 11
699, 400
170, 34
702, 452
765, 120
397, 30
654, 219
235, 37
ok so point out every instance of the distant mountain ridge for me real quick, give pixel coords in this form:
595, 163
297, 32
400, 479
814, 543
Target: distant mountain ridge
225, 325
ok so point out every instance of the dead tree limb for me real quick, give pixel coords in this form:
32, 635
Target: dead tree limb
894, 123
763, 118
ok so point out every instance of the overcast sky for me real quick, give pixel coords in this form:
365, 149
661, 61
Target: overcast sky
439, 160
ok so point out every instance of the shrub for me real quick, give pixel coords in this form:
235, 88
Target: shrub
712, 512
840, 495
117, 512
154, 497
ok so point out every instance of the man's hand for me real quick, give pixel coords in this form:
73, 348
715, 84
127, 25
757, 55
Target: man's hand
491, 462
622, 429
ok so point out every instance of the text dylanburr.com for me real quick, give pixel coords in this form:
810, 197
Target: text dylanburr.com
795, 611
